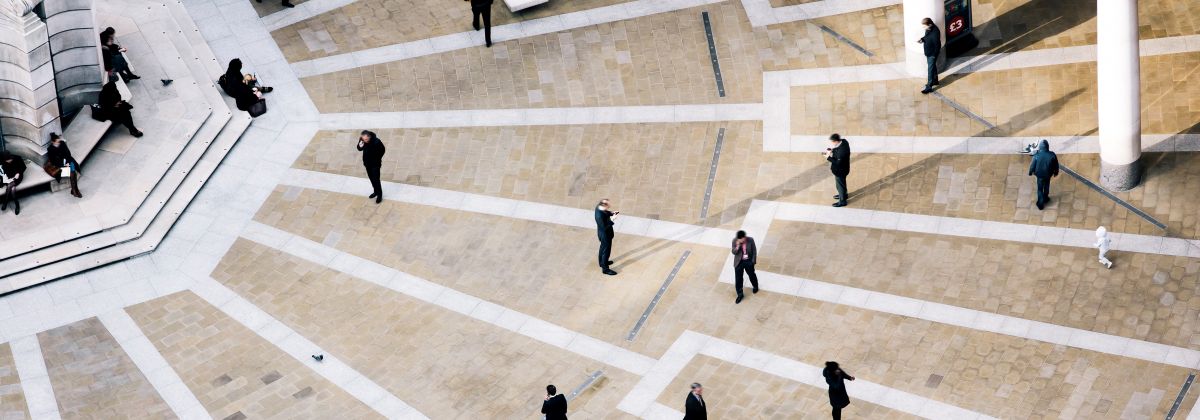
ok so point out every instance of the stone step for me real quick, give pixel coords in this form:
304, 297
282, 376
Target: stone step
174, 192
179, 136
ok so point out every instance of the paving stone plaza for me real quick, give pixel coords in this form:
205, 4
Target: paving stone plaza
941, 286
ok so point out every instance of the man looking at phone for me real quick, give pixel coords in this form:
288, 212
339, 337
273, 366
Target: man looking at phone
838, 155
604, 230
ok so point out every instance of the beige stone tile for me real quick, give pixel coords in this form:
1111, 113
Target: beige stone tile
366, 24
93, 378
736, 392
656, 171
1006, 26
660, 59
1144, 296
802, 44
997, 375
547, 271
444, 364
232, 371
12, 397
1037, 101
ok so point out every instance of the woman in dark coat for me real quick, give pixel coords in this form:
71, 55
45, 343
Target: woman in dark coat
242, 87
114, 60
13, 168
838, 398
115, 108
59, 155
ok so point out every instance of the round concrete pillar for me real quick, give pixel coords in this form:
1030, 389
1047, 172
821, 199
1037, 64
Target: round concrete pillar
1119, 100
914, 12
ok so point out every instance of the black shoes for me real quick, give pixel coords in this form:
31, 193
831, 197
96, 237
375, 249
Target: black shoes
926, 91
136, 133
755, 290
610, 272
266, 89
839, 204
738, 300
379, 199
288, 4
372, 195
610, 263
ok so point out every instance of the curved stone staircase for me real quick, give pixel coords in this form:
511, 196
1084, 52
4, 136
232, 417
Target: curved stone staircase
208, 127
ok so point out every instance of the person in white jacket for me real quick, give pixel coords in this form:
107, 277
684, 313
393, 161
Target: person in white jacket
1102, 244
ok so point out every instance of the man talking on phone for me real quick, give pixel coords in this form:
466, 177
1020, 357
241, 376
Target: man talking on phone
604, 230
372, 156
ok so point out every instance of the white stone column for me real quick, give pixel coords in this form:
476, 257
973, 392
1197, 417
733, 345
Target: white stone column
914, 12
1118, 83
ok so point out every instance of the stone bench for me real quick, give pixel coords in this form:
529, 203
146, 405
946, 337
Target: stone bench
83, 135
517, 5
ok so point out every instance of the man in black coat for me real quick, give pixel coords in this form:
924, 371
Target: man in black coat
836, 377
483, 8
604, 231
838, 155
1044, 166
745, 254
694, 407
372, 155
555, 404
932, 41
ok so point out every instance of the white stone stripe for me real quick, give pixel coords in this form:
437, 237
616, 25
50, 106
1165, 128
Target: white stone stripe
544, 116
983, 229
761, 13
640, 401
518, 30
777, 92
151, 363
942, 313
448, 298
517, 209
977, 320
301, 349
35, 380
985, 145
301, 12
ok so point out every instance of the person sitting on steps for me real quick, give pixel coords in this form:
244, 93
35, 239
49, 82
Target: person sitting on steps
243, 88
58, 155
116, 109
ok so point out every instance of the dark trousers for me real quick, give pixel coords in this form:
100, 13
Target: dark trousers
373, 175
931, 65
1043, 191
120, 115
748, 268
10, 195
840, 181
486, 12
837, 413
605, 249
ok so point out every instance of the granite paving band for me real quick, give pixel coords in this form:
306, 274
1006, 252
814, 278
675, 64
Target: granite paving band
712, 54
658, 296
35, 380
152, 364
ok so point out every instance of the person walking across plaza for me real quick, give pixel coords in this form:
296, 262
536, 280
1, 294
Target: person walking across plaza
12, 172
1102, 245
372, 156
835, 377
932, 41
482, 8
745, 254
1044, 166
58, 159
555, 404
694, 407
604, 231
838, 155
